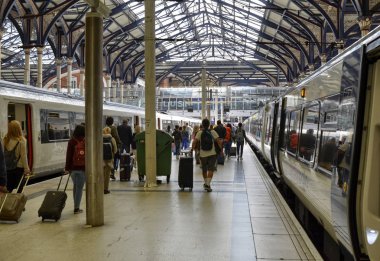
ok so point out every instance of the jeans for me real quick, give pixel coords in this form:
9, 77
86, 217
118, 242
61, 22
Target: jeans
239, 149
177, 148
79, 179
185, 144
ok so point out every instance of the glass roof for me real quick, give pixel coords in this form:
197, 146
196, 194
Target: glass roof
206, 30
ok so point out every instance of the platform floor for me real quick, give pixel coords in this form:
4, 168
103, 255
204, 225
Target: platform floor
244, 218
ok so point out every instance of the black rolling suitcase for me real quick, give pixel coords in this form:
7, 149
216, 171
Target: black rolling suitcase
13, 204
126, 166
54, 202
185, 173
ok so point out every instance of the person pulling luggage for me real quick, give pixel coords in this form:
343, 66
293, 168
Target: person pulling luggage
75, 164
16, 159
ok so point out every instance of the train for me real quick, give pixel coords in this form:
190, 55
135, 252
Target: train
320, 141
48, 119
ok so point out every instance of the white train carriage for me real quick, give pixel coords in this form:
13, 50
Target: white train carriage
49, 118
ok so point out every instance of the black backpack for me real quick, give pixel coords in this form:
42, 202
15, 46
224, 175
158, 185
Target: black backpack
207, 140
10, 158
107, 148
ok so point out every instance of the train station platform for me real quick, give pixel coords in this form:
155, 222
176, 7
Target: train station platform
243, 218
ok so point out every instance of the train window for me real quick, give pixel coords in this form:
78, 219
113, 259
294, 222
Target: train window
292, 133
55, 126
309, 133
328, 150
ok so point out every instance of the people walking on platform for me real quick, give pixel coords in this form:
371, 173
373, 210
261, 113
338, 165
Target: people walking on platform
240, 138
185, 138
134, 146
3, 171
75, 164
177, 140
16, 159
115, 135
228, 140
189, 129
109, 150
125, 135
205, 142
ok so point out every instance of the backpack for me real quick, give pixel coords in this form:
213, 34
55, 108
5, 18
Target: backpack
10, 158
207, 140
239, 135
228, 134
79, 156
107, 148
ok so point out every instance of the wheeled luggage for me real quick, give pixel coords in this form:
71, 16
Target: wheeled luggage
126, 165
54, 202
185, 173
233, 151
12, 204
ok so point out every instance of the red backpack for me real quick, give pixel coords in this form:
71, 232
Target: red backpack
79, 156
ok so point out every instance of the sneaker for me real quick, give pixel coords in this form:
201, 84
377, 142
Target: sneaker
208, 188
113, 177
78, 210
106, 191
204, 186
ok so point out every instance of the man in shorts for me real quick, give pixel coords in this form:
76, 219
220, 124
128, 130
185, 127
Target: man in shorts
206, 144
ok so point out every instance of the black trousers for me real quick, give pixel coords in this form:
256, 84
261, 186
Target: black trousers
13, 178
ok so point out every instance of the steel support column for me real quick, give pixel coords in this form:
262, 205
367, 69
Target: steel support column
150, 95
39, 66
69, 73
204, 93
81, 80
121, 92
94, 115
1, 37
27, 67
58, 63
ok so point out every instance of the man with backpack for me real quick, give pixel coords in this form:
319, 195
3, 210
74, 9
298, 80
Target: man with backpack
205, 141
125, 134
240, 139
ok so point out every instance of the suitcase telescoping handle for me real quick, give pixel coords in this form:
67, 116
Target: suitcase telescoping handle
67, 182
19, 184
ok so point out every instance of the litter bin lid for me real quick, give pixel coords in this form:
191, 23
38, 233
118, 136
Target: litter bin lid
162, 138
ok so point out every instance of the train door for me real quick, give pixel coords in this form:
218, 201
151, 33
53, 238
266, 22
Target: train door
274, 141
23, 113
370, 207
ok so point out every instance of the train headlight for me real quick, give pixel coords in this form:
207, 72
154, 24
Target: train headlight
372, 235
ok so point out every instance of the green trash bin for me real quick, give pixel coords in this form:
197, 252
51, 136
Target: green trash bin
163, 152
